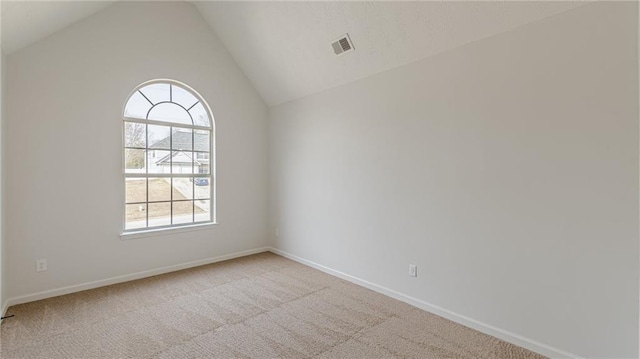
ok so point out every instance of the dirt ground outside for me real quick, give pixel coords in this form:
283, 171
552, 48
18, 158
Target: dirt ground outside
159, 190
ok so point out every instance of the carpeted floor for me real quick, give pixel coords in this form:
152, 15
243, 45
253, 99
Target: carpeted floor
260, 306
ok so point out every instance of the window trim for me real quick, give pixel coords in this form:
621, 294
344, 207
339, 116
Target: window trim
158, 231
181, 227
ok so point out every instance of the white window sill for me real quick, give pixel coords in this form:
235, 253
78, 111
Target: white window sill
167, 231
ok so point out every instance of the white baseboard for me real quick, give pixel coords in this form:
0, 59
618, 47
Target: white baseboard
126, 278
5, 306
502, 334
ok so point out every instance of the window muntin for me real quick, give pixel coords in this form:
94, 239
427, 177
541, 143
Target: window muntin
168, 138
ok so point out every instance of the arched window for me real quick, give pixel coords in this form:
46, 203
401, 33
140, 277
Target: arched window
168, 157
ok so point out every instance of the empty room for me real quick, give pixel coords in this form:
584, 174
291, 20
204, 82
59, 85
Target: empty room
319, 179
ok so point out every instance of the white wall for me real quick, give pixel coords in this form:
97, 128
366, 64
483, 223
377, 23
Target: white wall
506, 169
64, 189
3, 272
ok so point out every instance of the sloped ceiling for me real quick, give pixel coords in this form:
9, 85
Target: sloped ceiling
25, 22
284, 47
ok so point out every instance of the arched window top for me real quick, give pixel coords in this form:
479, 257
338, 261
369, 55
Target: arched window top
168, 101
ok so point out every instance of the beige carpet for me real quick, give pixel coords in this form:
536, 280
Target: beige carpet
261, 306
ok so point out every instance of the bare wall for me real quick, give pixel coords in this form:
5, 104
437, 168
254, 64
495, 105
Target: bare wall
62, 155
506, 169
3, 272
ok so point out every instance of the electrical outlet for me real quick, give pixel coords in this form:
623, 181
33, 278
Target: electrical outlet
413, 270
41, 265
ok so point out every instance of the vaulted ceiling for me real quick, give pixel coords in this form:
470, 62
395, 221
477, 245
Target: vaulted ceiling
25, 22
284, 47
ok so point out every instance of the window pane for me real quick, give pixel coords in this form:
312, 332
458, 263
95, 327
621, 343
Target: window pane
201, 166
159, 161
201, 141
182, 139
201, 162
156, 92
159, 137
200, 117
202, 156
159, 189
135, 134
136, 216
170, 112
159, 214
182, 188
136, 190
183, 97
134, 161
202, 187
203, 210
183, 212
137, 106
182, 162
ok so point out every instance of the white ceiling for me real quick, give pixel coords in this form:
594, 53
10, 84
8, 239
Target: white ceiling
283, 47
25, 22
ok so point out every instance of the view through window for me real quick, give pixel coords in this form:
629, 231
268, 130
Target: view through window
168, 141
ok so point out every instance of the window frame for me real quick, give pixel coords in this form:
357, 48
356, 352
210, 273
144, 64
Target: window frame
179, 227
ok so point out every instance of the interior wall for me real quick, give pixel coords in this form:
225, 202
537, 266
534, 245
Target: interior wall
3, 273
506, 170
63, 158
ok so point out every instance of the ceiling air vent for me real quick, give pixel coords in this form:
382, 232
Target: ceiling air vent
342, 45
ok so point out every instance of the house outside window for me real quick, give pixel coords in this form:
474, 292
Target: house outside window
168, 158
